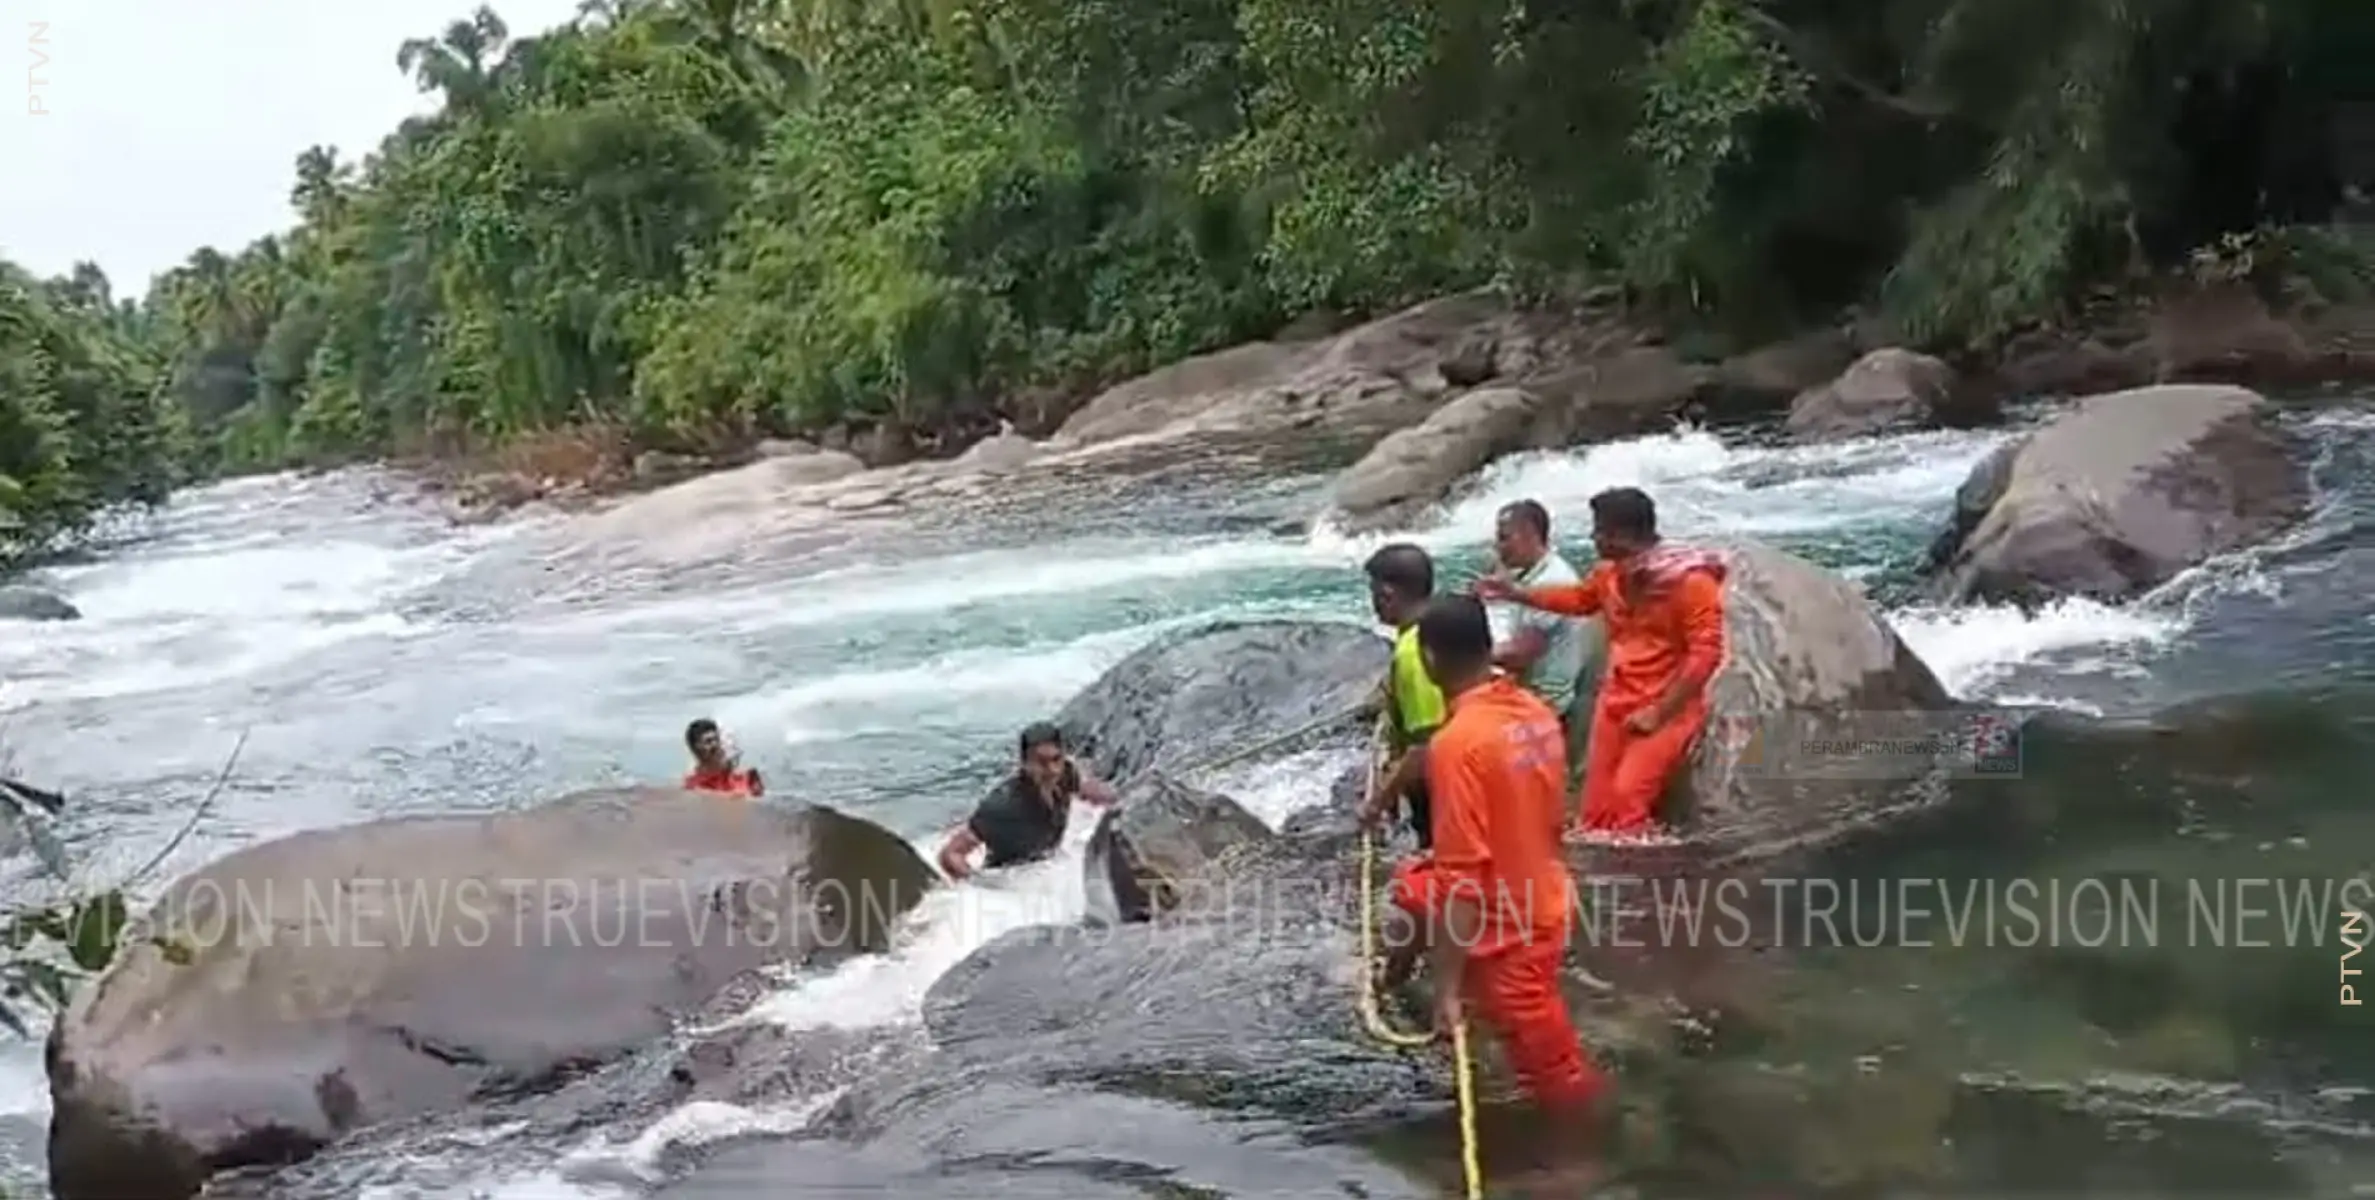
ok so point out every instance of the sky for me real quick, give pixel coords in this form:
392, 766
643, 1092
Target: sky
159, 126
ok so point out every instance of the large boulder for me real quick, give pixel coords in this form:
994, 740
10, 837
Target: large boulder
1149, 850
1199, 696
1415, 467
297, 990
32, 604
2120, 494
1809, 659
1885, 390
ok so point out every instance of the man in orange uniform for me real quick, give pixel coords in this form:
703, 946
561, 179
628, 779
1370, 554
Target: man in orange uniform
1663, 606
1495, 899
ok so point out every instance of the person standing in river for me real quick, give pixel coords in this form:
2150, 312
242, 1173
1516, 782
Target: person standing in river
1549, 654
1495, 899
715, 770
1401, 582
1024, 819
1664, 608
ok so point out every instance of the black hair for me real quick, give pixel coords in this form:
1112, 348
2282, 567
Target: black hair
694, 731
1403, 567
1626, 511
1530, 514
1455, 634
1037, 734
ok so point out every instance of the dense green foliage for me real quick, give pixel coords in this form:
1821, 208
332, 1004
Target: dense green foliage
81, 429
695, 219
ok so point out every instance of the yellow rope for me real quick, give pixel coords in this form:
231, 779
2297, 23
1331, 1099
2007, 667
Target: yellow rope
1373, 1013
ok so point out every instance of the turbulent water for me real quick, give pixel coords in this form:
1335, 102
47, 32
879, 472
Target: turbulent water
380, 661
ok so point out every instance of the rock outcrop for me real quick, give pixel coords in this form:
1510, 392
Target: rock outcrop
307, 987
1809, 659
1592, 370
1415, 467
1211, 691
1884, 391
32, 604
1162, 840
2119, 495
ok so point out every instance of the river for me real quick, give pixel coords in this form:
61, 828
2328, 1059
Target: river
380, 660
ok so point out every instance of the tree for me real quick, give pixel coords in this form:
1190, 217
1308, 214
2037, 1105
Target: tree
696, 220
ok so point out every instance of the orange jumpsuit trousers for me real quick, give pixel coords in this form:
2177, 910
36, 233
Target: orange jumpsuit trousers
1513, 990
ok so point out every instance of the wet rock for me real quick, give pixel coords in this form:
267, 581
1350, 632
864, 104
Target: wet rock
1778, 373
785, 448
885, 445
815, 467
660, 466
1885, 390
2121, 494
301, 989
1162, 839
1809, 657
1417, 467
2064, 365
1979, 492
1220, 689
2227, 335
1394, 372
19, 603
1624, 392
1007, 451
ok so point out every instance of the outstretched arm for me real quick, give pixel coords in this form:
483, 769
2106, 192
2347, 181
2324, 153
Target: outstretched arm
956, 858
1096, 791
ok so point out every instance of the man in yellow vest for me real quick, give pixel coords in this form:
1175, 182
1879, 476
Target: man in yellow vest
1401, 582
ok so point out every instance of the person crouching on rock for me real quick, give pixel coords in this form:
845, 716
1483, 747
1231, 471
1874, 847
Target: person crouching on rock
1494, 898
715, 770
1023, 820
1401, 581
1664, 609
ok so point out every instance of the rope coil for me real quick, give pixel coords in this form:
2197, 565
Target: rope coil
1372, 1010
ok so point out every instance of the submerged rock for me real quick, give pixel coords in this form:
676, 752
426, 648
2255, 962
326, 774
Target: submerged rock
19, 603
2120, 495
297, 990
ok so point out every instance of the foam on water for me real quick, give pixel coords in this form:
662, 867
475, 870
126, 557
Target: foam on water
226, 602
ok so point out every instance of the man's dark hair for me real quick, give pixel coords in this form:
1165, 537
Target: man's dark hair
1530, 514
1626, 511
694, 731
1037, 734
1454, 632
1403, 567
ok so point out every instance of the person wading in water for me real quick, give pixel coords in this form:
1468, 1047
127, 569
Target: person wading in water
714, 770
1023, 820
1664, 608
1495, 899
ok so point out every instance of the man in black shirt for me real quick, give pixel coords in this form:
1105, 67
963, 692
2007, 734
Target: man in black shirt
1023, 820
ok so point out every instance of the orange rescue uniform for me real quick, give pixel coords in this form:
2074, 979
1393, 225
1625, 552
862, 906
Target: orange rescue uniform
1669, 628
1497, 771
731, 782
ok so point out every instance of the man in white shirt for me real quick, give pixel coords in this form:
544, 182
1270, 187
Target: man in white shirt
1557, 658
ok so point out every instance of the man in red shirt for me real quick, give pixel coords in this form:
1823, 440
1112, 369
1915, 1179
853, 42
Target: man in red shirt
1495, 897
1664, 608
713, 769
